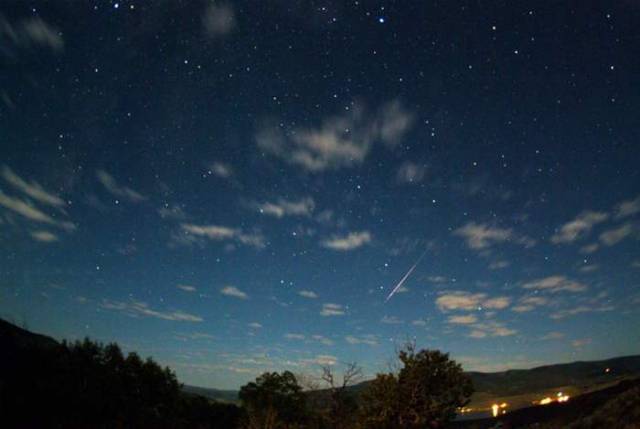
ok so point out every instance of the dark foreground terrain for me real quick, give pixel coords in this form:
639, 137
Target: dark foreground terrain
44, 383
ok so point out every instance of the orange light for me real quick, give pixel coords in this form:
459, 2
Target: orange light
494, 409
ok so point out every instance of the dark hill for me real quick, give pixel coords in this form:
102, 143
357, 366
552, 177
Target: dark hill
12, 336
511, 382
558, 415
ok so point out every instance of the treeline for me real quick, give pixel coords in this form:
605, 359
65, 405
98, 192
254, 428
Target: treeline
425, 392
90, 385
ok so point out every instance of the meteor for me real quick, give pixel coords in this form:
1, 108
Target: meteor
406, 276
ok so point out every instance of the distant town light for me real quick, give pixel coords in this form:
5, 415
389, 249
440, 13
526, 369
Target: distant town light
494, 410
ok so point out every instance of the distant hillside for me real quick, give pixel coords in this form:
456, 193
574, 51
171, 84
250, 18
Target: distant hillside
12, 337
511, 382
496, 384
518, 381
215, 394
614, 402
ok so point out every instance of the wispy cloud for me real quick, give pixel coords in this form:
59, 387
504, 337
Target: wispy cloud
291, 336
578, 227
553, 335
370, 340
32, 32
410, 172
255, 325
490, 329
340, 141
555, 284
194, 336
221, 233
562, 314
219, 19
628, 208
461, 300
391, 320
186, 288
467, 319
322, 360
483, 236
32, 189
282, 207
308, 294
112, 186
580, 343
498, 265
351, 241
44, 236
330, 309
142, 309
615, 235
529, 303
172, 212
221, 170
322, 339
497, 303
589, 248
233, 292
31, 212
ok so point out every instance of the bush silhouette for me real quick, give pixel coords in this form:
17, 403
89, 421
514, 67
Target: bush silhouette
273, 400
425, 392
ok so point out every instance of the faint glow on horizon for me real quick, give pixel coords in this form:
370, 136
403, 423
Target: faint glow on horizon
560, 397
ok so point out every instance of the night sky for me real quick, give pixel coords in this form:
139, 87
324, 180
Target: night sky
238, 186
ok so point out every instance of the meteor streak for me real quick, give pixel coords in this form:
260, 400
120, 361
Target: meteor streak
406, 276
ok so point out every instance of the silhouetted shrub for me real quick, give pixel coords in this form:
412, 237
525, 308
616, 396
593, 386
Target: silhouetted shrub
425, 393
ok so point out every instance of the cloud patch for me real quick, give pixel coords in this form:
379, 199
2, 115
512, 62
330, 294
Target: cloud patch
31, 189
308, 294
219, 19
341, 141
330, 309
578, 227
112, 186
482, 236
615, 235
44, 236
461, 300
628, 208
410, 172
467, 319
351, 241
221, 233
370, 340
529, 303
555, 284
32, 32
234, 292
142, 309
282, 207
31, 212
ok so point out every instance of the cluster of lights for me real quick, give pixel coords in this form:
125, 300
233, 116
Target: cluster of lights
560, 397
497, 409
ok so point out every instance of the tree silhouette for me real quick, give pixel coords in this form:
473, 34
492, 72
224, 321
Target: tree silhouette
273, 400
425, 392
88, 385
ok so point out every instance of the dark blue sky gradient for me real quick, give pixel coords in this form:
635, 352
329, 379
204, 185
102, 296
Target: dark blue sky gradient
237, 186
